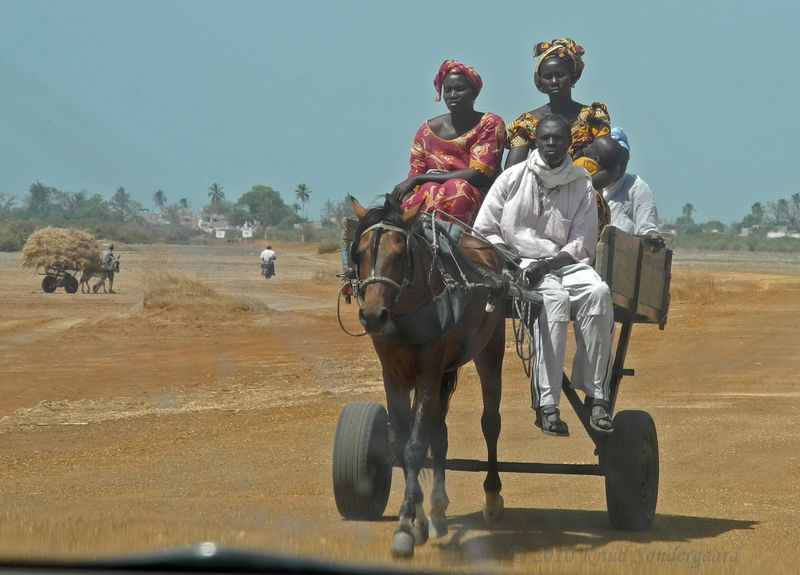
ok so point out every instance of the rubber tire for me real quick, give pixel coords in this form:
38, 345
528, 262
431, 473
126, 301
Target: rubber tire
362, 465
631, 471
49, 284
70, 283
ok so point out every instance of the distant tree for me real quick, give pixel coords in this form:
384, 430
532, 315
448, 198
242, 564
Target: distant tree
172, 213
122, 202
296, 208
216, 194
713, 227
7, 202
261, 204
685, 224
159, 199
302, 192
794, 211
778, 212
38, 200
755, 218
335, 211
183, 204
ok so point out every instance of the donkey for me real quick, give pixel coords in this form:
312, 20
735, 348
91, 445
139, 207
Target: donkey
102, 274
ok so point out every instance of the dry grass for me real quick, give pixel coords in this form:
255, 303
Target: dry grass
164, 289
76, 249
326, 276
695, 287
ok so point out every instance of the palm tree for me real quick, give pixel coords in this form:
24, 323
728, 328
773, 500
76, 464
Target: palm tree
183, 203
687, 211
216, 194
159, 199
302, 192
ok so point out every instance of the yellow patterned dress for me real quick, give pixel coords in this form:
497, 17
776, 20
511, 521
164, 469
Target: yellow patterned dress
603, 211
592, 121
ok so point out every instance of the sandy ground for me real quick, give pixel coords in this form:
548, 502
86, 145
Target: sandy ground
128, 428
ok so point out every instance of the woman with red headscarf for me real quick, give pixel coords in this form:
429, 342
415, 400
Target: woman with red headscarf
456, 156
559, 65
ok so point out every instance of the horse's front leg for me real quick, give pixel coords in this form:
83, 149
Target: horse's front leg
489, 364
439, 444
412, 526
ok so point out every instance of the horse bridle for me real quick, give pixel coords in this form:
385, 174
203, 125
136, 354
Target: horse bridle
378, 230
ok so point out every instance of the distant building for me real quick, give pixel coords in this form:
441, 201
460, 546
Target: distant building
210, 222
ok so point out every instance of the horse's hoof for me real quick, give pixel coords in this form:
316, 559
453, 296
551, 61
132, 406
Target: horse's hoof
493, 507
402, 544
438, 527
420, 531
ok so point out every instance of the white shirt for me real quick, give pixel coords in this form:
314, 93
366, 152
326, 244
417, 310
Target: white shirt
632, 205
536, 222
267, 255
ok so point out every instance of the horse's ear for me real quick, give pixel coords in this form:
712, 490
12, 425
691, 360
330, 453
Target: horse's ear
360, 210
411, 213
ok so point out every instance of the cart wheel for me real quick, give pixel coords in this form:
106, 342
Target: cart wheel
631, 470
362, 465
70, 283
49, 284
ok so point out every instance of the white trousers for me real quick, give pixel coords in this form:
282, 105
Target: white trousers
574, 292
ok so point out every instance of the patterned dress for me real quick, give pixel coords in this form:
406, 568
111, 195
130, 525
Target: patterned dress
603, 211
481, 149
592, 121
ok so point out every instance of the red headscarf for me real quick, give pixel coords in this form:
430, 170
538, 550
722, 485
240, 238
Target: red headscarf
456, 67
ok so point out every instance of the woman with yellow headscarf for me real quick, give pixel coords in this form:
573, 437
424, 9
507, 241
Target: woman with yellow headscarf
559, 65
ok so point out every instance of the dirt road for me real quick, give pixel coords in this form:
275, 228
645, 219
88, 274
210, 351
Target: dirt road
209, 417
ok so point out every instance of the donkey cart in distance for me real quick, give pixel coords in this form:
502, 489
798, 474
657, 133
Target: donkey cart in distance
59, 275
368, 442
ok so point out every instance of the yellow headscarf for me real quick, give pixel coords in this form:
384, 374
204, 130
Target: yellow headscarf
564, 48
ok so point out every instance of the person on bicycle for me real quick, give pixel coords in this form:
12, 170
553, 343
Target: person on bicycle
268, 258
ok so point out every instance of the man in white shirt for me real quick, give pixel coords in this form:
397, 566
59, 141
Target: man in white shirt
545, 211
268, 258
632, 204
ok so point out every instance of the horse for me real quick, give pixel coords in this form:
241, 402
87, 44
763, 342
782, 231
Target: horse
402, 280
101, 273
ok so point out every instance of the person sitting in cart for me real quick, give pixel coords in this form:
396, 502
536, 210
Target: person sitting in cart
544, 209
632, 204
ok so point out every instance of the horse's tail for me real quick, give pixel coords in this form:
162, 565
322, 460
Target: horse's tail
449, 381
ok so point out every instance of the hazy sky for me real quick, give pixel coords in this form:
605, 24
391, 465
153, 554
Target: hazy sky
176, 95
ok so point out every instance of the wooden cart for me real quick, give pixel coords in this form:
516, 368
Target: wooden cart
627, 458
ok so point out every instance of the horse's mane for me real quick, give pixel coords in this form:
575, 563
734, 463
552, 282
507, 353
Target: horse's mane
389, 213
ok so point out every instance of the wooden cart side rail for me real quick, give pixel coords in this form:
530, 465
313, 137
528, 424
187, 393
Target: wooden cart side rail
639, 279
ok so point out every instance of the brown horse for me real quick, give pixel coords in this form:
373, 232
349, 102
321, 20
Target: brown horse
428, 313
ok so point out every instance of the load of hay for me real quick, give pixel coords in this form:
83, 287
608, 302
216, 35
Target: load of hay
74, 249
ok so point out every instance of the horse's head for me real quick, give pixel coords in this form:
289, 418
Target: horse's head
381, 252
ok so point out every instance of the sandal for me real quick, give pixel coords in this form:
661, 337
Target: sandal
549, 420
600, 420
